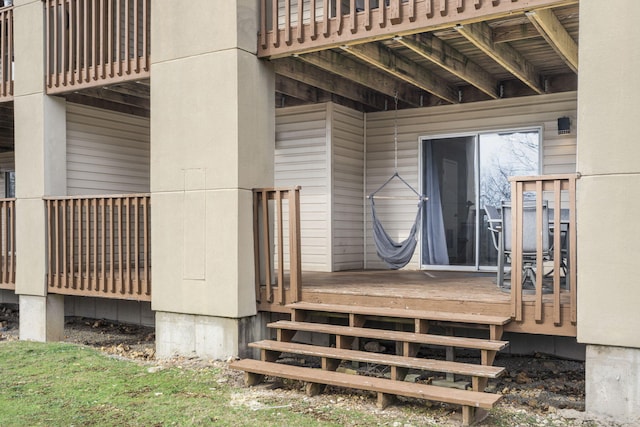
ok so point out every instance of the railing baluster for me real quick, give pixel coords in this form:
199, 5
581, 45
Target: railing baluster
71, 40
85, 35
539, 257
77, 72
147, 256
557, 250
275, 26
287, 21
295, 261
72, 243
136, 28
325, 18
313, 34
279, 228
256, 246
3, 44
12, 228
266, 245
352, 16
129, 288
299, 33
96, 277
127, 32
103, 246
7, 271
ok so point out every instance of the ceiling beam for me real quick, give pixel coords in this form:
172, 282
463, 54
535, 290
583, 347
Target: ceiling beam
308, 74
556, 35
296, 89
139, 88
350, 69
79, 98
480, 35
383, 58
440, 53
118, 97
513, 33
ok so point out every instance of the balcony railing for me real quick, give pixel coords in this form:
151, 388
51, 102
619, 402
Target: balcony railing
100, 246
6, 53
283, 33
559, 192
95, 42
7, 244
277, 246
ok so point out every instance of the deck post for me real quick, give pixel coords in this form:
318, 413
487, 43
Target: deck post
40, 163
205, 165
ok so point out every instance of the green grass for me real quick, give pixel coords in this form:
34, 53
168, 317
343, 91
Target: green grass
67, 385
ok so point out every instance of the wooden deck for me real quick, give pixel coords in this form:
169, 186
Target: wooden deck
461, 292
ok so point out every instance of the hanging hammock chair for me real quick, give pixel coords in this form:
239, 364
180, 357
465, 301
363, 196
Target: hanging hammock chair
395, 254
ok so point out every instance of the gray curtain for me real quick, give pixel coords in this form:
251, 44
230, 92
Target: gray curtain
435, 241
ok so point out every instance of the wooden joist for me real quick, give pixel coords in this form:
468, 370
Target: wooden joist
381, 334
468, 369
468, 399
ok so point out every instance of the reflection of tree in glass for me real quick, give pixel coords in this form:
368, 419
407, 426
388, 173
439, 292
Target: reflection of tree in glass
514, 154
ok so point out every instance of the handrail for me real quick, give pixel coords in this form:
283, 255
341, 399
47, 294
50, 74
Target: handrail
94, 42
269, 244
99, 246
558, 191
7, 244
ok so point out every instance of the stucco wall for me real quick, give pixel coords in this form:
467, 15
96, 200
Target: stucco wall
608, 153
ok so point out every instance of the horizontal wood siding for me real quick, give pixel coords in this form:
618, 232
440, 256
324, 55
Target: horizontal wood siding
107, 152
301, 159
347, 188
398, 216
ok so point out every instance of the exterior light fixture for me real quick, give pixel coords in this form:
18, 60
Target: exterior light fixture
564, 125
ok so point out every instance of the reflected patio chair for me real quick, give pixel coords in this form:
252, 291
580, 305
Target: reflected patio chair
494, 224
529, 240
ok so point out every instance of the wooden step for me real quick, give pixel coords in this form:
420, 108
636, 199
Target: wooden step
470, 318
381, 334
384, 387
468, 369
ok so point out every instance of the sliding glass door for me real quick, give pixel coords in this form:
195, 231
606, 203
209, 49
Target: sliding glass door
460, 175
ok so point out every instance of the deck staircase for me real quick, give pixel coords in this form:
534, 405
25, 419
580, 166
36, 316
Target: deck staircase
408, 331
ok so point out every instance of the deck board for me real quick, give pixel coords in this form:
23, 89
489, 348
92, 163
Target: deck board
464, 292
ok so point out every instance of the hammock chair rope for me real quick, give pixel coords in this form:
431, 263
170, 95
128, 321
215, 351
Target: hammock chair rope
395, 254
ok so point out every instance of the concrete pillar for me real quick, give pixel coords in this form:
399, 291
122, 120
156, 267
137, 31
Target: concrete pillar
608, 253
613, 383
40, 160
212, 138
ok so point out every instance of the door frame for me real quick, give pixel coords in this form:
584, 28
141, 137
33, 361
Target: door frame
476, 175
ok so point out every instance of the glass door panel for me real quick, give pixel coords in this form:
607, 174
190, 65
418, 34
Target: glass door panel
460, 176
502, 155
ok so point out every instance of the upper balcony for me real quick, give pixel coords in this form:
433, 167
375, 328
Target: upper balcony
365, 53
93, 43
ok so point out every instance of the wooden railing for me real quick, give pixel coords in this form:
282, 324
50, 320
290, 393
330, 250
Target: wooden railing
559, 192
276, 247
100, 246
95, 42
359, 21
6, 53
8, 244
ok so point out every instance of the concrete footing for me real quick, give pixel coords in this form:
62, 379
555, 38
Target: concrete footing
204, 336
613, 383
41, 318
